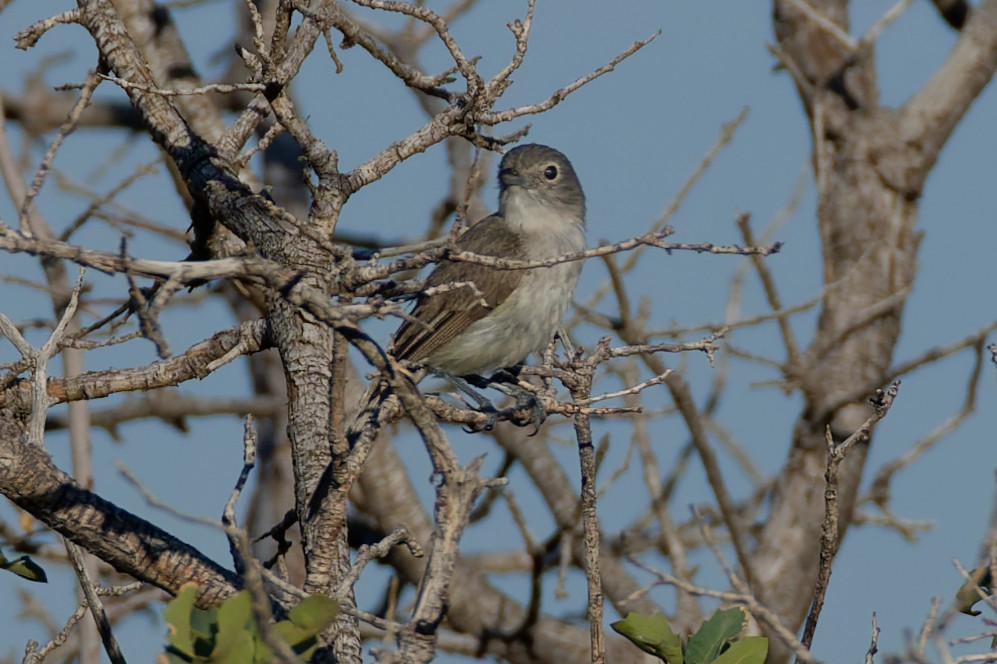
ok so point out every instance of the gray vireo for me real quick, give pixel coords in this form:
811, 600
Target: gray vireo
541, 215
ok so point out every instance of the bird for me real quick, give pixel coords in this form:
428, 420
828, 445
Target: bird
462, 334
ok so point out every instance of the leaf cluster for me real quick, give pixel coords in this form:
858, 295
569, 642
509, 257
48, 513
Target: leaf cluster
715, 642
230, 634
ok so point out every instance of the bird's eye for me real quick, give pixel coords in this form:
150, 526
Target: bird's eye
551, 172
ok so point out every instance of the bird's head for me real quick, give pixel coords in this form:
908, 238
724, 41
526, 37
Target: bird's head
543, 176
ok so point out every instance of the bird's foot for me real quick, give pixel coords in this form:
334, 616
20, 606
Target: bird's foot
506, 383
538, 413
489, 424
482, 404
525, 401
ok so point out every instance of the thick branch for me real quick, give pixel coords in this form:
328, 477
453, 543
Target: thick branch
931, 115
130, 544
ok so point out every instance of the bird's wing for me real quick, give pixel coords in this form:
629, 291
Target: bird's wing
439, 318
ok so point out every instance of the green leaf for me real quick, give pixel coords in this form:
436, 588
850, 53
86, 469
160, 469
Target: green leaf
203, 627
302, 641
652, 634
315, 613
25, 568
305, 622
714, 635
749, 650
229, 634
969, 592
235, 642
177, 616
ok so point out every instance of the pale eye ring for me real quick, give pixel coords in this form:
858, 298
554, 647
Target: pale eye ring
551, 173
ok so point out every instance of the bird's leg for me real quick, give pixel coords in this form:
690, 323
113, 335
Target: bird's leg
504, 381
525, 400
507, 382
463, 384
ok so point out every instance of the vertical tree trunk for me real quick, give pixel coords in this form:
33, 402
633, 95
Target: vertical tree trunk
870, 165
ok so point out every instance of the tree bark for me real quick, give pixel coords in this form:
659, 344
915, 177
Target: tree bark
870, 164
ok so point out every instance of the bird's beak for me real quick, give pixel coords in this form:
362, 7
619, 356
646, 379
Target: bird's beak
510, 177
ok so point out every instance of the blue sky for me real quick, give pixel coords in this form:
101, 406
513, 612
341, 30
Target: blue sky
634, 136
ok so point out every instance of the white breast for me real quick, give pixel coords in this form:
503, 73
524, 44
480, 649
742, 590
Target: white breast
528, 319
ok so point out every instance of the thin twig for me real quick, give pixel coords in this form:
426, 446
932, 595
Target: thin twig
829, 26
727, 132
772, 295
884, 21
498, 117
94, 604
67, 128
220, 88
879, 488
829, 531
581, 389
873, 641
